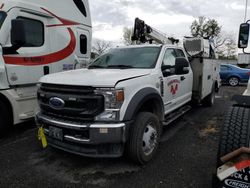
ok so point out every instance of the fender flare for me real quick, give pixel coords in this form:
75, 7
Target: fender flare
139, 99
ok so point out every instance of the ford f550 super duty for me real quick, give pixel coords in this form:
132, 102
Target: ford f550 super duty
121, 101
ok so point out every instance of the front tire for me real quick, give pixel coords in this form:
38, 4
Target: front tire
233, 81
144, 138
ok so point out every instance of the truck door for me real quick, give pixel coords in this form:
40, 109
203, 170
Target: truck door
83, 50
170, 81
177, 88
184, 92
27, 65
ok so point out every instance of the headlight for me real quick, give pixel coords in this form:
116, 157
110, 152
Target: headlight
38, 85
113, 101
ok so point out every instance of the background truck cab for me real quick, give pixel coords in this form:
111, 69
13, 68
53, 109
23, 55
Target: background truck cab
38, 38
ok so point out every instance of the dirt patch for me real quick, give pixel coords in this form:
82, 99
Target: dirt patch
211, 128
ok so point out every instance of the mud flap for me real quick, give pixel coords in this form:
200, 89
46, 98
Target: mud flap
235, 173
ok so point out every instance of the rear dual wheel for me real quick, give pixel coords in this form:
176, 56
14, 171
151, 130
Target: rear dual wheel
210, 99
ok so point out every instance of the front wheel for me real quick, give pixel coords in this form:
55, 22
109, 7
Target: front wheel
144, 138
233, 81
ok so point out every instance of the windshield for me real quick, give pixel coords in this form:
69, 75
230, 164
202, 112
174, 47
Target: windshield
122, 58
2, 18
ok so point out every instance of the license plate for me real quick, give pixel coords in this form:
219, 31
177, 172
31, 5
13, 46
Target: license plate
56, 133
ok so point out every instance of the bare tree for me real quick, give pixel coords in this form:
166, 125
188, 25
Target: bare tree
127, 34
226, 46
100, 46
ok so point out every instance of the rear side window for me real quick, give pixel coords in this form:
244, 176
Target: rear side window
225, 68
180, 53
83, 44
34, 32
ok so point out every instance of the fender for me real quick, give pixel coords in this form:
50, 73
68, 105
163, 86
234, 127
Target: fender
139, 99
234, 75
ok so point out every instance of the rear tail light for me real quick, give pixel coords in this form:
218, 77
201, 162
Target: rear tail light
248, 73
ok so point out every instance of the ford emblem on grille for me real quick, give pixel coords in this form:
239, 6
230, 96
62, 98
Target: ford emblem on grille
56, 103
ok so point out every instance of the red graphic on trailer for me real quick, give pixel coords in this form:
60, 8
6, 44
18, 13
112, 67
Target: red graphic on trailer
174, 86
48, 58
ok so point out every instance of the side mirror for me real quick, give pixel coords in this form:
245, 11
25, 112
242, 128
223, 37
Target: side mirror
18, 38
243, 35
181, 66
167, 70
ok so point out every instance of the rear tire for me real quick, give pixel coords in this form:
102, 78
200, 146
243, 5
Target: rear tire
234, 135
233, 81
5, 119
144, 138
209, 100
235, 131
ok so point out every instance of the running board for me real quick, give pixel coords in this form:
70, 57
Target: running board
175, 115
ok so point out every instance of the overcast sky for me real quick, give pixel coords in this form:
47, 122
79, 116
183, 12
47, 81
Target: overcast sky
172, 17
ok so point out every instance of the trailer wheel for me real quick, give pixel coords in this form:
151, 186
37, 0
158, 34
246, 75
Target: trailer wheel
5, 119
209, 100
235, 132
144, 138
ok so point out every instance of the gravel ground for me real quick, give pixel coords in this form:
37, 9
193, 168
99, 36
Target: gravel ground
186, 156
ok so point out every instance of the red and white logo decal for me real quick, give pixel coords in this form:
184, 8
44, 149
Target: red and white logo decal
48, 58
174, 86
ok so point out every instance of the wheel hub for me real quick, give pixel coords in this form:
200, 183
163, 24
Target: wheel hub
233, 81
149, 139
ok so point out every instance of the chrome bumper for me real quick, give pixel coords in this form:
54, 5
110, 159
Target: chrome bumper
99, 133
91, 140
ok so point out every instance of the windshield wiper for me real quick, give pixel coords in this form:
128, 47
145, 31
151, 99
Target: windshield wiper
96, 67
121, 66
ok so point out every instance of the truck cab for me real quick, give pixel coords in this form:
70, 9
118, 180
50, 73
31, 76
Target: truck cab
38, 38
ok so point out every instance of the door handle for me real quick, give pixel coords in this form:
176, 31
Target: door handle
183, 78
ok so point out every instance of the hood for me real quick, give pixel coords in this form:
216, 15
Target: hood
94, 77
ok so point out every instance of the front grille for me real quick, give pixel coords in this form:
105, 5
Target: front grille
81, 103
65, 89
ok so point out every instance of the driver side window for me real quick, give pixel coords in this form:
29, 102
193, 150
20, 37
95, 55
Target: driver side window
169, 57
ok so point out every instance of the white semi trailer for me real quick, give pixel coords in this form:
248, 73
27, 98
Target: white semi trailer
38, 37
233, 163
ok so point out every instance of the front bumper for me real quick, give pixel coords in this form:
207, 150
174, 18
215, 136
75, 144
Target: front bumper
86, 139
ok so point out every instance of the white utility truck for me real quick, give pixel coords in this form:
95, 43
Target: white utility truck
38, 37
121, 101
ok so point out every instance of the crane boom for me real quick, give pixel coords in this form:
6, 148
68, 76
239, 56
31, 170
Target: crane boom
145, 33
